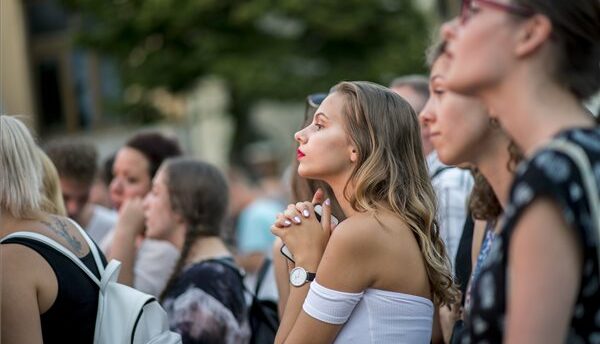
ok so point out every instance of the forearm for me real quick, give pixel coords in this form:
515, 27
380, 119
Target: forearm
124, 250
280, 264
293, 306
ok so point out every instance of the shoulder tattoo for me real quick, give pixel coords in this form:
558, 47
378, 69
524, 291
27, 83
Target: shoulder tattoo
59, 226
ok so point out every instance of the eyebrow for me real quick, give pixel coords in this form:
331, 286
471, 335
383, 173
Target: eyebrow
435, 77
320, 114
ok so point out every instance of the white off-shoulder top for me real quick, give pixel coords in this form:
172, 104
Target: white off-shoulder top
372, 316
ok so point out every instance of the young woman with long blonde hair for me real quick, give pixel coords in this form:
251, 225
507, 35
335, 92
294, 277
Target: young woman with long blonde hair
382, 270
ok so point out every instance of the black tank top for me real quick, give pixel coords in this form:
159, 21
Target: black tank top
72, 317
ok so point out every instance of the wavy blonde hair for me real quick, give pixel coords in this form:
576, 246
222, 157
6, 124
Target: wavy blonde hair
391, 172
52, 199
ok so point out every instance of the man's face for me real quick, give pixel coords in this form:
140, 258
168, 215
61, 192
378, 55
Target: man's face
75, 196
418, 103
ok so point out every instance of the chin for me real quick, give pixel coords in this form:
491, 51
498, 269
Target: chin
449, 159
302, 172
461, 83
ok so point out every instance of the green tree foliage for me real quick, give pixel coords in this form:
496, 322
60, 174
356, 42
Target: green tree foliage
277, 49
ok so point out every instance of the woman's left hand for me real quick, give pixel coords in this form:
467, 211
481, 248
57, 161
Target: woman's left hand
302, 233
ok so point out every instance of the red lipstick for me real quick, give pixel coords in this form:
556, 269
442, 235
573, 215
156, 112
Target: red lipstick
299, 154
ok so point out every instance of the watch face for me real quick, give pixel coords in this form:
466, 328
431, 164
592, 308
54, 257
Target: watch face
298, 276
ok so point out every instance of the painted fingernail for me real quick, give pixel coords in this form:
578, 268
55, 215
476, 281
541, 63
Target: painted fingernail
305, 213
297, 219
328, 202
287, 223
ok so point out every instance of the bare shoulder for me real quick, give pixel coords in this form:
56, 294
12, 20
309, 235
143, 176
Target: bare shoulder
30, 291
345, 262
361, 248
356, 231
367, 229
25, 267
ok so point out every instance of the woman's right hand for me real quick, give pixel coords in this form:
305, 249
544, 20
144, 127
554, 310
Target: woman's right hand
299, 229
131, 218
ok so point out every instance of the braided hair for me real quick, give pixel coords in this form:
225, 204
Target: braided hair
199, 194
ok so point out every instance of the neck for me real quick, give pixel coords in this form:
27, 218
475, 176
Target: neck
9, 223
207, 248
86, 215
338, 185
536, 110
494, 168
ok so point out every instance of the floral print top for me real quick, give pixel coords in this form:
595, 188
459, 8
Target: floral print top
553, 175
206, 305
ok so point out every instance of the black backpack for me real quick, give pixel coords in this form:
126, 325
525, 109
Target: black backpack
262, 314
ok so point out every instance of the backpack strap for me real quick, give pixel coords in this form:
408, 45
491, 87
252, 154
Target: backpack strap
580, 159
92, 246
261, 275
60, 248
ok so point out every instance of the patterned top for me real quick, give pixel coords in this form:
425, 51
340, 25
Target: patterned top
206, 305
484, 251
547, 174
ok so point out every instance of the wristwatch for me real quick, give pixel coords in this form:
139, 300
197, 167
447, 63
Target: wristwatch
299, 276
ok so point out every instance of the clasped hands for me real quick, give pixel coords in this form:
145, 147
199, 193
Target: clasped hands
302, 233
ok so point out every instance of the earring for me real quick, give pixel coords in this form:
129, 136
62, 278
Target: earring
494, 123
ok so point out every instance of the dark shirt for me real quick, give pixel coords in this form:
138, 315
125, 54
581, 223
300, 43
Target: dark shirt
72, 316
206, 305
552, 175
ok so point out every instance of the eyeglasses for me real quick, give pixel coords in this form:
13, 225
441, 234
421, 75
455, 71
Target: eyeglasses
469, 8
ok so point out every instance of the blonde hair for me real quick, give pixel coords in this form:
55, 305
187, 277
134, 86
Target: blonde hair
391, 172
20, 180
52, 199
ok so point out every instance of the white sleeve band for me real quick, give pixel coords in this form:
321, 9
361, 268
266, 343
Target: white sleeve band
328, 305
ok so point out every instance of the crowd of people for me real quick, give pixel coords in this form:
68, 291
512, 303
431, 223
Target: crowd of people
462, 207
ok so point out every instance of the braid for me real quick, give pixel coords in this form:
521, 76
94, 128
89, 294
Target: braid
198, 193
192, 234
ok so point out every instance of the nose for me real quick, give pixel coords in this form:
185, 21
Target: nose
427, 115
145, 202
115, 185
73, 208
300, 136
116, 190
448, 30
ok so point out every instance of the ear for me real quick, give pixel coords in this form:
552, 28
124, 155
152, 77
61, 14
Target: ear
178, 218
353, 154
534, 33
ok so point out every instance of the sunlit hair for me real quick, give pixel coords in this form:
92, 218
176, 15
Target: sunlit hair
52, 199
20, 177
198, 192
391, 172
